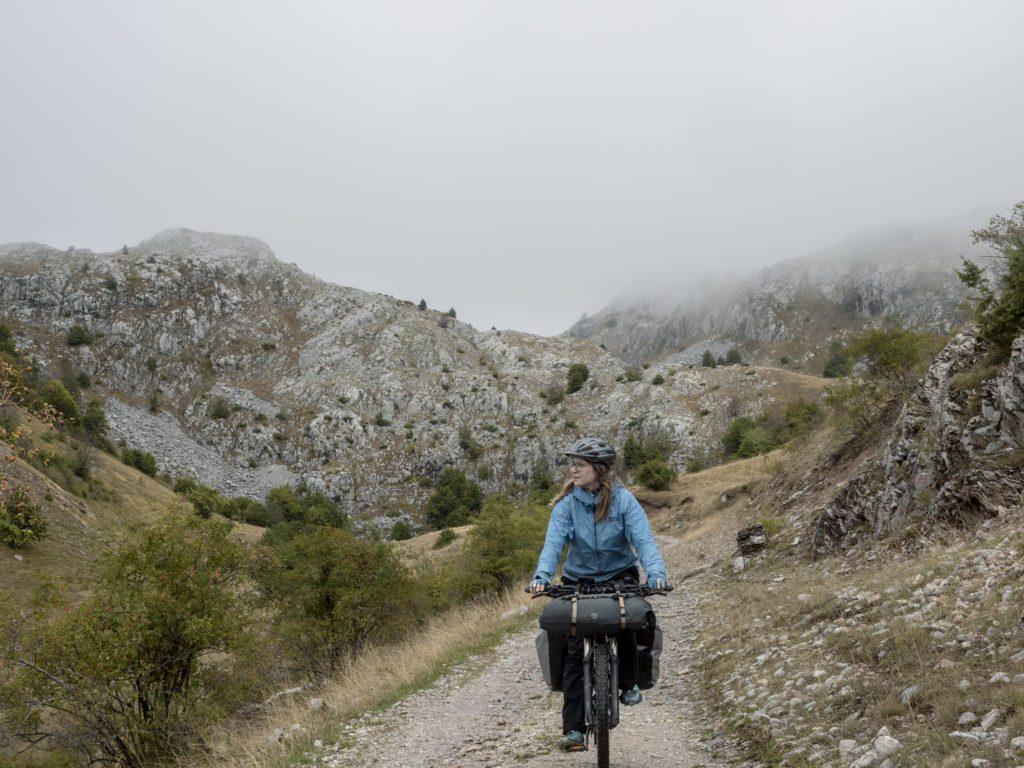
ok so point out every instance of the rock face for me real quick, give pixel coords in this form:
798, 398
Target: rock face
904, 274
244, 372
955, 454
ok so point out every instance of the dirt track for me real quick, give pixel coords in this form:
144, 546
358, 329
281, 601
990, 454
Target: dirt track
496, 712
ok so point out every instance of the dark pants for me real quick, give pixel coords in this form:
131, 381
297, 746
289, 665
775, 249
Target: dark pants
573, 707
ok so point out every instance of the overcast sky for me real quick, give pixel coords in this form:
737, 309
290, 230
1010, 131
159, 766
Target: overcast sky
523, 162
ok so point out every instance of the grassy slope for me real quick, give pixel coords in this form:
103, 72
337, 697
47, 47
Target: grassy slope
81, 524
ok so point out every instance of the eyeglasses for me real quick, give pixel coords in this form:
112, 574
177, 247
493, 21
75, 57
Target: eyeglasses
577, 466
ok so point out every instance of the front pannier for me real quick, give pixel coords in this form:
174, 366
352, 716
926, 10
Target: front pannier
648, 647
596, 615
551, 655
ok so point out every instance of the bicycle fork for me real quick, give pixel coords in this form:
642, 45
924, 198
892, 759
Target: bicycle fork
588, 681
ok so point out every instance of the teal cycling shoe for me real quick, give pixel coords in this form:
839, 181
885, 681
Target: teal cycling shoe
632, 696
572, 742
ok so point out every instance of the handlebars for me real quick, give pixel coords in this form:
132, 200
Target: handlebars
601, 588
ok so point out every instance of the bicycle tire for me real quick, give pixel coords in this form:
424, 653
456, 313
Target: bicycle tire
602, 703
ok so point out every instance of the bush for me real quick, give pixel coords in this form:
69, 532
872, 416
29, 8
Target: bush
454, 501
838, 363
140, 460
733, 357
401, 531
446, 537
707, 360
162, 644
79, 335
468, 444
219, 408
578, 374
333, 594
658, 379
636, 452
893, 355
94, 420
21, 521
633, 374
57, 396
655, 475
503, 545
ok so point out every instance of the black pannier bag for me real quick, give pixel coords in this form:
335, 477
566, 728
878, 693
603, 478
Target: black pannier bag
648, 648
596, 615
551, 655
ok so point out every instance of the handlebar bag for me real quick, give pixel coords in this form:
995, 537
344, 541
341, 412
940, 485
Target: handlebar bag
648, 651
596, 615
551, 655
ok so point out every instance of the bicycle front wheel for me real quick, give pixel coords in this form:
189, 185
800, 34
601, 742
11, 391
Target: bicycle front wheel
602, 702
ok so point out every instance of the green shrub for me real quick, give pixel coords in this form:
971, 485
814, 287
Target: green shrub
21, 521
578, 374
446, 537
468, 444
79, 335
140, 460
219, 408
707, 360
636, 452
633, 374
503, 545
1000, 310
658, 379
401, 531
162, 645
454, 501
57, 396
838, 363
733, 357
94, 420
333, 594
655, 475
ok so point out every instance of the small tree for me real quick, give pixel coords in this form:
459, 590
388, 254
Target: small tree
162, 644
94, 420
656, 475
1000, 310
423, 305
57, 396
79, 335
578, 374
707, 359
401, 531
333, 594
455, 500
451, 312
838, 363
732, 357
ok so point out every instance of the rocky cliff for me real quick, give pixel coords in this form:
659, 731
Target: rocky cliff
955, 455
242, 371
800, 306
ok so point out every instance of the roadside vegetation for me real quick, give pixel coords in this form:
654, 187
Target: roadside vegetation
183, 623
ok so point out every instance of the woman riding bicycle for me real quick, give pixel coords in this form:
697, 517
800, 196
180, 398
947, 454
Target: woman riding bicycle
607, 531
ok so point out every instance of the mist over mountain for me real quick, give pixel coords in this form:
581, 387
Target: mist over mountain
897, 274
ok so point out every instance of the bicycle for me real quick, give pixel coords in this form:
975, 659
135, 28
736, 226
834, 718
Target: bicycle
596, 612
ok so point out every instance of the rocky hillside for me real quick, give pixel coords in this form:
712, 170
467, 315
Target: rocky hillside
243, 372
799, 307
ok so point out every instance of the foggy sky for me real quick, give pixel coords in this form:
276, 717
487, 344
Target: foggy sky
523, 162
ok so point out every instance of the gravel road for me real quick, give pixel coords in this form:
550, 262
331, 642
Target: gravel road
495, 711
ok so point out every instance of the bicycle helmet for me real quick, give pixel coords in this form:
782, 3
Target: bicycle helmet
592, 449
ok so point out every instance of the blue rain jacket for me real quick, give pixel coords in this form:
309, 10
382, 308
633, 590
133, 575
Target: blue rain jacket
599, 551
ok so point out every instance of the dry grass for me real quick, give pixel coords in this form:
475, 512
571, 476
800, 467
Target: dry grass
80, 527
418, 552
372, 680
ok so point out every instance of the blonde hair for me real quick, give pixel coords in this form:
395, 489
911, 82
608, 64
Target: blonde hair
604, 492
